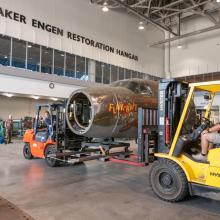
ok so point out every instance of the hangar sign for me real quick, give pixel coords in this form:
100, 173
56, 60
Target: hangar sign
69, 35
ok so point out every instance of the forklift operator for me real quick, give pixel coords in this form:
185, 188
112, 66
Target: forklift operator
47, 119
211, 135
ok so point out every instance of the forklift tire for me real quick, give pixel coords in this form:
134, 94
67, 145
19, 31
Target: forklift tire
51, 162
168, 181
27, 151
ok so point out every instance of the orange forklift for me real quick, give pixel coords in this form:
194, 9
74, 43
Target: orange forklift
44, 141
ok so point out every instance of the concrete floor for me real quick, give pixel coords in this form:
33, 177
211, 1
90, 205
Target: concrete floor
94, 191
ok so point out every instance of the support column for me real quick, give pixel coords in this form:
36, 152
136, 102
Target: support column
167, 71
91, 70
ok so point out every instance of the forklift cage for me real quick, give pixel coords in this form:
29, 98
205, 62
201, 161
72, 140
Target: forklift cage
211, 87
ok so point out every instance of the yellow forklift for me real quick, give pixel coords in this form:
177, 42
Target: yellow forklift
175, 174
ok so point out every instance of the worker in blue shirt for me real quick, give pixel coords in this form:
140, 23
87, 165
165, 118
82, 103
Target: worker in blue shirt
47, 120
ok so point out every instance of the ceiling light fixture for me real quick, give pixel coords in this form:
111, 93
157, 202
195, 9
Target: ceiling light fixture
218, 1
141, 25
179, 46
29, 46
9, 95
54, 99
6, 57
105, 7
35, 97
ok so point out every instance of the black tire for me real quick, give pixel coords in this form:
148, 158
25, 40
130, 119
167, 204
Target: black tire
27, 151
168, 181
50, 149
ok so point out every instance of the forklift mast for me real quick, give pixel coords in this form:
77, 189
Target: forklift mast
172, 95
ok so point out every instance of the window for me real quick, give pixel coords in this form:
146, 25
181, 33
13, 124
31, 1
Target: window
98, 72
150, 77
18, 53
87, 66
58, 62
5, 45
46, 60
121, 73
81, 67
127, 74
114, 73
91, 68
134, 74
33, 57
70, 65
140, 75
106, 73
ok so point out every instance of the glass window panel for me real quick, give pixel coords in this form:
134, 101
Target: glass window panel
70, 65
91, 68
140, 75
18, 53
147, 76
151, 77
33, 57
154, 78
127, 74
114, 73
216, 76
86, 75
121, 73
134, 74
106, 73
5, 45
87, 66
46, 60
98, 72
81, 68
58, 62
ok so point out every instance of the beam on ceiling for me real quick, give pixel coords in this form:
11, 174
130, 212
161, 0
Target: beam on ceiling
160, 8
149, 7
203, 13
186, 35
138, 3
183, 10
144, 17
169, 5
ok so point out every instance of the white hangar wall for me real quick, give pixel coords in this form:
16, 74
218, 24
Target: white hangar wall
118, 30
24, 107
199, 54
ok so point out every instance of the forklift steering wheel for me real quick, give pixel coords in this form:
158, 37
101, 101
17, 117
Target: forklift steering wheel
205, 123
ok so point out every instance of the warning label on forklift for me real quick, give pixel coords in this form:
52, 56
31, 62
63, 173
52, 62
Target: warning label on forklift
162, 97
161, 121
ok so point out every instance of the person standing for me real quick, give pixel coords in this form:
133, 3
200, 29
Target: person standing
8, 129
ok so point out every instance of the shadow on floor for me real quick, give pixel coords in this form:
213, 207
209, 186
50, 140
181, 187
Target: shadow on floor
8, 211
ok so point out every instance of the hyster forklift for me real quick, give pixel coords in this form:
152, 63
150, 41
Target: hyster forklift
175, 174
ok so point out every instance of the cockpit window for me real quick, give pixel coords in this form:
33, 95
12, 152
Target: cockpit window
146, 90
142, 88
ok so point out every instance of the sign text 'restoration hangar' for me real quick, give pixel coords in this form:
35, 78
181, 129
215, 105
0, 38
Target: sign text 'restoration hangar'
59, 31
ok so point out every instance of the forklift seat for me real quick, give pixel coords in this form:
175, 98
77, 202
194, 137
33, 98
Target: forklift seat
41, 136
